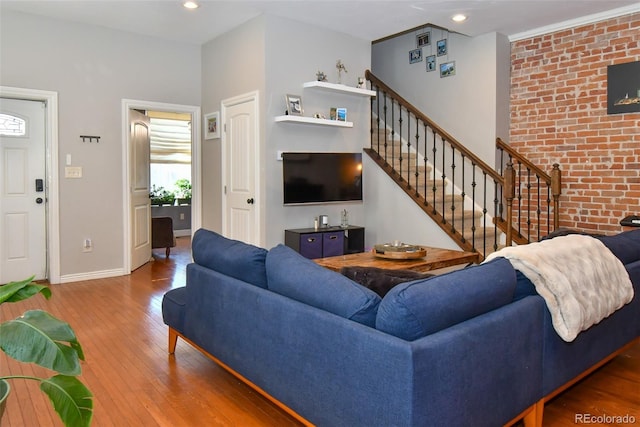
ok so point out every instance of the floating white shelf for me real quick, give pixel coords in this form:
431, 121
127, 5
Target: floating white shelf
339, 88
313, 121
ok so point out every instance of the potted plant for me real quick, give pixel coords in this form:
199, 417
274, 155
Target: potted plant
184, 191
38, 337
160, 196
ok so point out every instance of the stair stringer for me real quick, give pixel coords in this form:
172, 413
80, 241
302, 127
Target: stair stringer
486, 220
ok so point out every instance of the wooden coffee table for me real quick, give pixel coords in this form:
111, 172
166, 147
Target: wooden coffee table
436, 258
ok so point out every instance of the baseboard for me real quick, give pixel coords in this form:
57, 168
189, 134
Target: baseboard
77, 277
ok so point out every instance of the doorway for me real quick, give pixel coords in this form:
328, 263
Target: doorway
50, 243
196, 218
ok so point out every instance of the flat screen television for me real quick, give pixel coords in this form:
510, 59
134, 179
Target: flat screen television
322, 177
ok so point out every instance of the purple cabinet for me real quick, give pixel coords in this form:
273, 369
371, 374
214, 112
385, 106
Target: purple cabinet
311, 245
332, 243
325, 242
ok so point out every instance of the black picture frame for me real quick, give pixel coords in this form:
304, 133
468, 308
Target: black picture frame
623, 88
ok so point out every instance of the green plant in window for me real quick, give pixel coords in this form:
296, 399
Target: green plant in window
184, 190
161, 196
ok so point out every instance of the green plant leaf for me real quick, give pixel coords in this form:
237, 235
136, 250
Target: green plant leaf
40, 338
18, 291
70, 398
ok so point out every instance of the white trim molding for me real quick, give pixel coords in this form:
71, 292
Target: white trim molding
596, 17
196, 174
51, 165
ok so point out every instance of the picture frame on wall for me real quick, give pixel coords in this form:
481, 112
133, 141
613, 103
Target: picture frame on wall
212, 125
423, 39
294, 105
441, 47
431, 63
415, 55
448, 69
623, 88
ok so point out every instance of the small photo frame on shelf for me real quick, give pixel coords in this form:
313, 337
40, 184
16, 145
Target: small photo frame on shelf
341, 114
423, 39
431, 63
332, 113
441, 47
448, 69
415, 55
294, 105
212, 125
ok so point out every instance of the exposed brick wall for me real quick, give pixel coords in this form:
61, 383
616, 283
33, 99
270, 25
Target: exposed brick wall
559, 115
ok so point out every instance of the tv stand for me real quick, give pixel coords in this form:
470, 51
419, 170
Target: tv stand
325, 241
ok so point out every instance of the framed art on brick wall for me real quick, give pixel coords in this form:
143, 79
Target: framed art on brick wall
623, 88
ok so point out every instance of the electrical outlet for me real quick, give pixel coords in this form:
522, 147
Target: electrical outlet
87, 245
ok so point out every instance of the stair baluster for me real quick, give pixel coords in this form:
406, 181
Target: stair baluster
436, 178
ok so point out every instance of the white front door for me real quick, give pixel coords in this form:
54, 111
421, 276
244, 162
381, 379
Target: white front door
23, 192
240, 155
140, 189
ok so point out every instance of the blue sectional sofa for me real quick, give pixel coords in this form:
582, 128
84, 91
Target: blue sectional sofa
565, 363
471, 347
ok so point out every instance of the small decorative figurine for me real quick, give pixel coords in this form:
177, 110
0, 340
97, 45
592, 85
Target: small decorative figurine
321, 76
340, 67
360, 83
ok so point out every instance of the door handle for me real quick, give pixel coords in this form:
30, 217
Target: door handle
39, 200
250, 201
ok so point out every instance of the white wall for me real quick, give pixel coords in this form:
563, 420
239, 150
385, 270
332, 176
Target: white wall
93, 69
295, 52
393, 215
232, 64
276, 56
469, 105
472, 106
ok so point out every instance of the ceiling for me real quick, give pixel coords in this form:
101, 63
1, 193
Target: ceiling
365, 19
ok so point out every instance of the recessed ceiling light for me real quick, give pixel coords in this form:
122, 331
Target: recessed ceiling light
459, 18
190, 4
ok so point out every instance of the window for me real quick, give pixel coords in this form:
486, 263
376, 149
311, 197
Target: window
170, 151
12, 125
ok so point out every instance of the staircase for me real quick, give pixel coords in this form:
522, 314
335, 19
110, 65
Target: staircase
471, 201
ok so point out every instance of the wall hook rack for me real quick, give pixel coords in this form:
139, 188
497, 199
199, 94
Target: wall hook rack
90, 138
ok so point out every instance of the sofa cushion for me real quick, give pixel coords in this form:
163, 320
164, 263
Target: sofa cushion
380, 280
625, 246
292, 275
416, 309
231, 257
524, 286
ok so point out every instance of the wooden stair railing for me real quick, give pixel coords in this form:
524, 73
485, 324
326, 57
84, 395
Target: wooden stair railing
536, 193
466, 197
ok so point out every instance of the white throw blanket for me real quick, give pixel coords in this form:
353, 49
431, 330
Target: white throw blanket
580, 279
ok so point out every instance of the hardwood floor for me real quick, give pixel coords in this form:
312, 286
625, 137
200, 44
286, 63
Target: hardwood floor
136, 383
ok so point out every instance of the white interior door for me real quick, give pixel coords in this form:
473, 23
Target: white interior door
241, 145
23, 192
140, 188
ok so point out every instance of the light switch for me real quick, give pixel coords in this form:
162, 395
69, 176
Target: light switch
68, 159
73, 172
